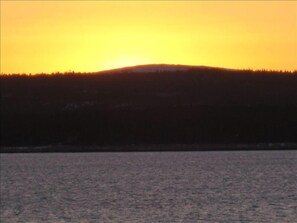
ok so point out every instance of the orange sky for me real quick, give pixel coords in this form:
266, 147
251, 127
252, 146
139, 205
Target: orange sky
50, 36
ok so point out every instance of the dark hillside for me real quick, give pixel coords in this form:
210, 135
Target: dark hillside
193, 106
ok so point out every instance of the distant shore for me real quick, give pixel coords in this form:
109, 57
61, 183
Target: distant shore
196, 109
148, 148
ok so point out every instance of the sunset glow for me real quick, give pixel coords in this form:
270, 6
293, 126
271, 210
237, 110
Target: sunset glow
50, 36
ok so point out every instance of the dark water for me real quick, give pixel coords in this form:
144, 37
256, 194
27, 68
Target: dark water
150, 187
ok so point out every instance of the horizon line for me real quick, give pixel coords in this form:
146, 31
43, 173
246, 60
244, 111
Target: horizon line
70, 71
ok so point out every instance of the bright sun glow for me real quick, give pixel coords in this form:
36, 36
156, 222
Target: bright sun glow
127, 60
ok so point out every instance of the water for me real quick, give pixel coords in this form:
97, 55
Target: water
150, 187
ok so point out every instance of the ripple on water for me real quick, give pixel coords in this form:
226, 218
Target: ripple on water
149, 187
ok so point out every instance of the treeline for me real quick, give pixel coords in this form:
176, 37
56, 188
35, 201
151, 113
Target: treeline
128, 70
197, 106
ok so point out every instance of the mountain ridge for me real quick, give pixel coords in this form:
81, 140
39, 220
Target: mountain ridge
163, 67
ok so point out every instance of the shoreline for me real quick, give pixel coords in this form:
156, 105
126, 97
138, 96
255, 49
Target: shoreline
148, 148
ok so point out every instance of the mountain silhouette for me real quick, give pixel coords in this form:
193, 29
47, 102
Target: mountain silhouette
147, 68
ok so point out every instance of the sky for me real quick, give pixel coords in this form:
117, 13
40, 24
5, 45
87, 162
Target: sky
88, 36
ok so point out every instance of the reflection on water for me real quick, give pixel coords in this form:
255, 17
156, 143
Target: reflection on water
150, 187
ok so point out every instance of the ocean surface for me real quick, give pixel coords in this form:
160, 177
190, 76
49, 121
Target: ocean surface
242, 186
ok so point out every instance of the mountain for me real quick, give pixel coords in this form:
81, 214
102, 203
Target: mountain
149, 104
148, 68
152, 68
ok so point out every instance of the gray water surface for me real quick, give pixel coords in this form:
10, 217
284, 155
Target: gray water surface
245, 186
